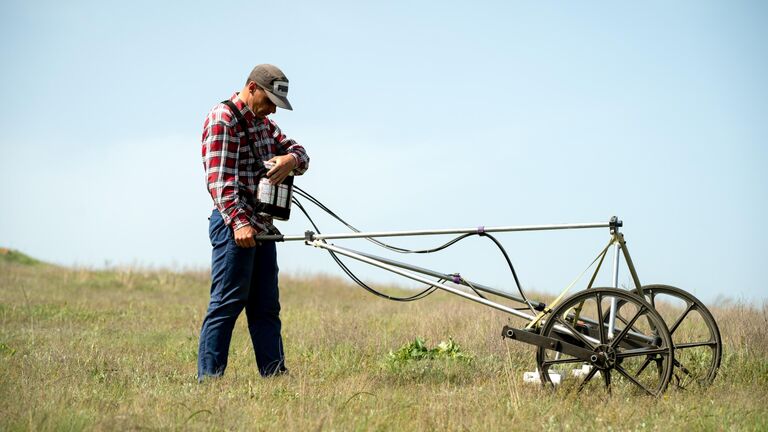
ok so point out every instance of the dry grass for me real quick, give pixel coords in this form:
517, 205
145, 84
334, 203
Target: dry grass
82, 349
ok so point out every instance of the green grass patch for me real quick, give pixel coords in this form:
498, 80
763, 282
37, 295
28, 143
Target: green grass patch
16, 257
117, 350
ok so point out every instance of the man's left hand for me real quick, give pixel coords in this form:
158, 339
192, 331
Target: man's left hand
283, 166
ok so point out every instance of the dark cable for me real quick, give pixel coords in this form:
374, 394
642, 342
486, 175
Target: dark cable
472, 287
427, 291
316, 202
511, 268
417, 296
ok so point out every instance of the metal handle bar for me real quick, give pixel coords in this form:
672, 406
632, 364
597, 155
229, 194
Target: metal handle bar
310, 236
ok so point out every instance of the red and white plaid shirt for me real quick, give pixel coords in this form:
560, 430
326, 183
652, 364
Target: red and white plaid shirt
230, 167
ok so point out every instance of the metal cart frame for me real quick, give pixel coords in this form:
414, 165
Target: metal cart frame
613, 333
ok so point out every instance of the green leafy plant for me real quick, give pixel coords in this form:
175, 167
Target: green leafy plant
6, 350
418, 350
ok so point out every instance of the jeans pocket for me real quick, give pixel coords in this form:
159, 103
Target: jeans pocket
218, 231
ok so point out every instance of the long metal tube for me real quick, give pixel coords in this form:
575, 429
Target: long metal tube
612, 312
412, 276
418, 278
437, 274
435, 232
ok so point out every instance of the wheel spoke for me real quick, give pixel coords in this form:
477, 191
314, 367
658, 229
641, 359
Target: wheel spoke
631, 378
682, 368
660, 367
575, 333
628, 327
680, 378
607, 379
600, 314
644, 365
642, 351
695, 344
621, 318
589, 376
680, 319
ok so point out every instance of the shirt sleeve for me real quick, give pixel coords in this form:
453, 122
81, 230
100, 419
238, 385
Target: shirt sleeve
221, 152
292, 148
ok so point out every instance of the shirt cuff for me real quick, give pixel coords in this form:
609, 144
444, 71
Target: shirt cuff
239, 220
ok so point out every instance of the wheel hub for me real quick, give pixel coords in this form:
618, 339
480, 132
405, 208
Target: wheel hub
604, 357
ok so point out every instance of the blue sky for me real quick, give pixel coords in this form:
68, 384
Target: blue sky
416, 115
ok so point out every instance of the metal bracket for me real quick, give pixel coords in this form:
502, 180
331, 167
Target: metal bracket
614, 224
309, 237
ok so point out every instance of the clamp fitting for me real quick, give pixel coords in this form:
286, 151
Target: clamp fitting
309, 237
615, 224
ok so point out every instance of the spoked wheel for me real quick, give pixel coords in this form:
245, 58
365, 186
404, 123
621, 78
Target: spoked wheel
620, 358
695, 335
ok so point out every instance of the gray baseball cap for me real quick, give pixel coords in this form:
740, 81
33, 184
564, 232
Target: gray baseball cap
273, 81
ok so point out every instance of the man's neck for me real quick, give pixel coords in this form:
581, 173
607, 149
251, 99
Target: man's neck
245, 96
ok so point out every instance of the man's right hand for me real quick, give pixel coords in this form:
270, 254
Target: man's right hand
244, 236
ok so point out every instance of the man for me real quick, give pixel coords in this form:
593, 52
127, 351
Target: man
244, 271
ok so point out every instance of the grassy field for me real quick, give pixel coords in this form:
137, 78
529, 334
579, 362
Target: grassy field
117, 349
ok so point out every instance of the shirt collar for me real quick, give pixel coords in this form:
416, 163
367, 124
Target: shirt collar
244, 109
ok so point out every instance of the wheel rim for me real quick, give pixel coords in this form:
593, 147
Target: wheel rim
620, 364
694, 331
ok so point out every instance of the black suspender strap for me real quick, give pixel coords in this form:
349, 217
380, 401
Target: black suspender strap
270, 208
244, 126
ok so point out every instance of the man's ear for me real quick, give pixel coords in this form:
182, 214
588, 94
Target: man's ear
252, 87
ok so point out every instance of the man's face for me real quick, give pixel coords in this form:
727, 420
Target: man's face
260, 103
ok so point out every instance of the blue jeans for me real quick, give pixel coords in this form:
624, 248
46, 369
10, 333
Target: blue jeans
241, 278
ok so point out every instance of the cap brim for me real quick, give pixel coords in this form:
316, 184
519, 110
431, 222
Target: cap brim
279, 101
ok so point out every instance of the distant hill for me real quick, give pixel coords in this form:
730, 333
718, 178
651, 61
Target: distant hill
13, 256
